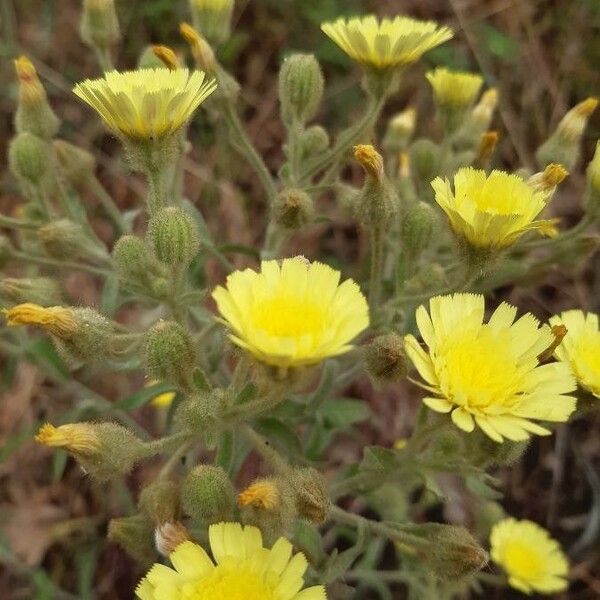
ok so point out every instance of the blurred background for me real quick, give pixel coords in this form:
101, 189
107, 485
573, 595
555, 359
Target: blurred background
543, 57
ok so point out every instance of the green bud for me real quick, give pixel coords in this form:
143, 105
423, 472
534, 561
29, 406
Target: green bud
136, 536
99, 26
169, 353
484, 452
39, 290
135, 264
424, 160
213, 19
91, 339
207, 494
198, 414
447, 443
149, 60
78, 165
313, 141
300, 87
310, 489
29, 158
159, 501
418, 227
64, 238
400, 129
173, 234
453, 553
385, 359
292, 209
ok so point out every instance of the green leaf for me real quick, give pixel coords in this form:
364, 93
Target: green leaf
143, 396
376, 458
59, 463
86, 566
308, 539
110, 296
246, 394
342, 412
282, 436
42, 352
239, 249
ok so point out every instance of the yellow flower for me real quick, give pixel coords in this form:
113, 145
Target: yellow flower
580, 347
263, 493
58, 320
491, 211
488, 373
454, 88
533, 561
147, 103
387, 43
293, 313
76, 437
242, 569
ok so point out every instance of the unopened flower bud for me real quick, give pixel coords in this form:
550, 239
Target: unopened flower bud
548, 179
478, 121
149, 60
99, 26
310, 490
300, 88
292, 209
104, 450
133, 261
377, 200
64, 238
34, 114
198, 414
485, 150
213, 18
37, 290
166, 56
314, 141
159, 501
418, 227
563, 145
201, 50
173, 234
385, 359
170, 353
424, 160
136, 536
400, 130
207, 494
78, 165
29, 158
168, 536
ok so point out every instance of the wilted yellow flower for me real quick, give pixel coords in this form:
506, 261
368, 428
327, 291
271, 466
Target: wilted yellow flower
533, 561
263, 493
580, 348
242, 568
80, 438
488, 373
455, 88
388, 43
58, 320
167, 56
293, 313
30, 89
370, 160
147, 103
491, 211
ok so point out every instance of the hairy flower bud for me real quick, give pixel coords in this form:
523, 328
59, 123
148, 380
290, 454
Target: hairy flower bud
300, 88
201, 51
563, 145
207, 494
37, 290
400, 129
159, 501
292, 209
173, 234
169, 353
104, 450
313, 141
168, 536
78, 165
213, 18
99, 26
478, 121
133, 261
310, 490
29, 158
34, 114
424, 160
418, 227
385, 359
136, 536
548, 179
64, 238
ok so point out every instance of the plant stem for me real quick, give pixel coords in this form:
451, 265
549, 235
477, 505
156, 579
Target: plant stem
50, 262
156, 193
108, 204
261, 445
377, 242
17, 223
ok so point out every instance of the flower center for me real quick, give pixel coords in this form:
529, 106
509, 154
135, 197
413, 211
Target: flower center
230, 582
523, 561
286, 316
477, 369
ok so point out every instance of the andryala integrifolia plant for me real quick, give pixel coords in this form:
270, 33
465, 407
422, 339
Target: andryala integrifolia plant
442, 227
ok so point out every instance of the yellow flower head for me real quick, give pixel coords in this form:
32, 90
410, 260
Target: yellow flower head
58, 320
488, 373
454, 88
292, 313
242, 568
491, 211
76, 437
388, 43
533, 561
580, 347
147, 103
262, 494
